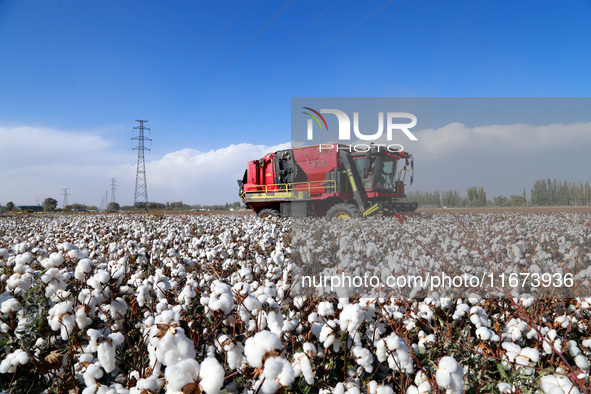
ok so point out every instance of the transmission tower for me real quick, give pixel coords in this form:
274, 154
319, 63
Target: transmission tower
66, 194
141, 188
113, 186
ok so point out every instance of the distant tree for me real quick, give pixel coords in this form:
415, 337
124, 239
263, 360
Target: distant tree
49, 204
113, 207
92, 208
476, 196
517, 201
10, 206
500, 201
67, 208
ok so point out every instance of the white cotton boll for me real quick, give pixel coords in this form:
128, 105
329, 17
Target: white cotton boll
327, 335
280, 370
174, 347
82, 319
351, 318
212, 375
396, 352
486, 334
505, 387
54, 260
325, 308
183, 373
582, 362
302, 366
460, 311
13, 360
557, 384
385, 390
68, 323
151, 384
221, 298
78, 254
106, 356
530, 354
10, 305
450, 375
364, 358
92, 374
262, 343
83, 268
275, 322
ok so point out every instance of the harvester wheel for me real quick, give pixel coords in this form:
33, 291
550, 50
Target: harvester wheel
342, 211
268, 213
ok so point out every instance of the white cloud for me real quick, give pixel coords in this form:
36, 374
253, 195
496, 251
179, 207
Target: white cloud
456, 137
203, 177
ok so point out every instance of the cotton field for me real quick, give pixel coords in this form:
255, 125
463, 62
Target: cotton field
212, 303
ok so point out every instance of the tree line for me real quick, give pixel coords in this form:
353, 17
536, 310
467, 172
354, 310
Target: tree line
545, 192
50, 205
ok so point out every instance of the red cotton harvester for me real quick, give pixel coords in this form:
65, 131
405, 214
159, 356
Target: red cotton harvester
328, 180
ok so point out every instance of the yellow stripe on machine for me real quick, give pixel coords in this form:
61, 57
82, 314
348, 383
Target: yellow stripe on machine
353, 185
371, 210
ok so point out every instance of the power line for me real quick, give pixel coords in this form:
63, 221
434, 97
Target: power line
205, 55
273, 54
213, 79
141, 188
66, 194
113, 186
300, 62
194, 49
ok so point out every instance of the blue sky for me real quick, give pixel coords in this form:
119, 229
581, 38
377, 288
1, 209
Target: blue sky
83, 71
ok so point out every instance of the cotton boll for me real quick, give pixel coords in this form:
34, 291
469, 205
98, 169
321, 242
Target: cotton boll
325, 308
212, 375
396, 352
11, 304
221, 298
351, 318
558, 384
255, 348
92, 374
13, 360
174, 347
582, 362
505, 388
151, 385
83, 268
363, 357
82, 319
302, 366
278, 372
183, 373
450, 375
486, 334
234, 351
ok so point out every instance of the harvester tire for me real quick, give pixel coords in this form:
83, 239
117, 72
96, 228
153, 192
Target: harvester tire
343, 211
268, 213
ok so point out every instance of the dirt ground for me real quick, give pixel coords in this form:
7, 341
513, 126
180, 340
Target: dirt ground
544, 210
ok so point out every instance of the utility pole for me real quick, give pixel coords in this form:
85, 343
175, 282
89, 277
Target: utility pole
141, 188
66, 194
112, 189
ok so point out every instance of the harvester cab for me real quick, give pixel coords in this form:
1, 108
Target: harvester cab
328, 180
